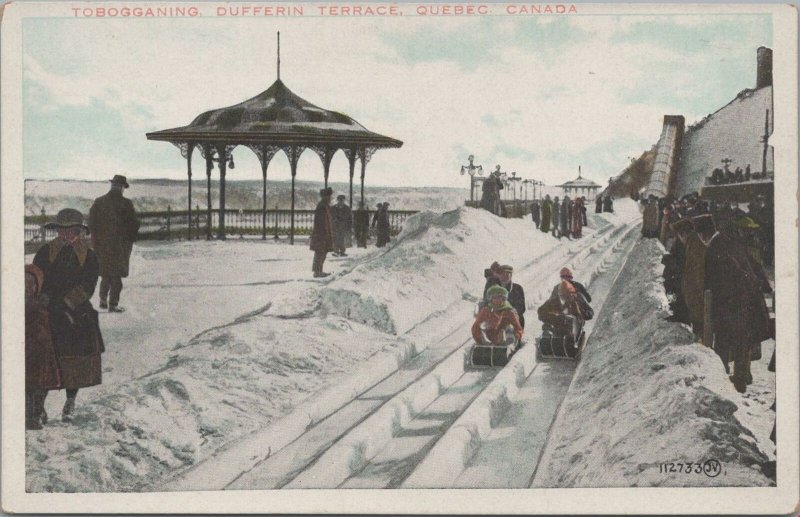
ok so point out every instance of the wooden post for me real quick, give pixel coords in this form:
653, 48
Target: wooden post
223, 164
264, 203
276, 221
42, 230
189, 172
708, 330
209, 166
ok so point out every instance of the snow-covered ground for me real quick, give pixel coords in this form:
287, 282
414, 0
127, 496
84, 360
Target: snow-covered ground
221, 338
646, 393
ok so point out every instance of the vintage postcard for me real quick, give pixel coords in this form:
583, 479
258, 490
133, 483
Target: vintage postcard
374, 257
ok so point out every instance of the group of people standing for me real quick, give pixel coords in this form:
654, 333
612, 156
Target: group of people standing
63, 342
335, 225
562, 218
711, 268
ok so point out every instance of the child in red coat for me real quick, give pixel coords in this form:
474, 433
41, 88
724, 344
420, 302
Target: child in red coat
41, 366
496, 317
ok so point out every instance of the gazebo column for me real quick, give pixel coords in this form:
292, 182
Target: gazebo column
189, 149
351, 158
264, 165
223, 164
365, 154
293, 153
209, 166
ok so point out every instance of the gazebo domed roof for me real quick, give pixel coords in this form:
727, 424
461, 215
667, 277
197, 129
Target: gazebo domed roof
279, 116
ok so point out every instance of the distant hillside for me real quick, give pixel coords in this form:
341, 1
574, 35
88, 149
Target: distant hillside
157, 194
634, 177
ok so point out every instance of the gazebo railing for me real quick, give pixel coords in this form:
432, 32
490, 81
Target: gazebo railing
174, 224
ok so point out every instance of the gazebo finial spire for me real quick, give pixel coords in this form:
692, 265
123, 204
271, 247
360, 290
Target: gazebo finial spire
279, 55
579, 172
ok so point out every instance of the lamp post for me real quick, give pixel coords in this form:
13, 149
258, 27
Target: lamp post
472, 170
525, 184
513, 180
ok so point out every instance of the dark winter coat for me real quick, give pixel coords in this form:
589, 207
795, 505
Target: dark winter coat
381, 220
516, 297
598, 205
41, 364
342, 226
113, 228
693, 281
536, 214
547, 215
608, 204
564, 220
361, 226
490, 197
70, 277
650, 220
322, 234
739, 313
556, 216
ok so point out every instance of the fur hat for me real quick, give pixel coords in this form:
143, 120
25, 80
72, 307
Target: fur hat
326, 192
507, 268
565, 272
341, 196
67, 218
496, 290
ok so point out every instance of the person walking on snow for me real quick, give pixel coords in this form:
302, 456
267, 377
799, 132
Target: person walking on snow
342, 226
547, 214
381, 219
739, 314
70, 270
41, 365
113, 227
322, 235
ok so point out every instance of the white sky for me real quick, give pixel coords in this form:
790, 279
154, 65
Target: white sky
538, 95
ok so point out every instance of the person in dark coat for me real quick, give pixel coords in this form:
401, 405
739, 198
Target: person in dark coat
322, 234
577, 218
584, 221
536, 213
516, 295
490, 196
564, 219
113, 227
674, 264
381, 220
361, 225
342, 227
739, 314
492, 275
608, 203
598, 205
692, 276
556, 217
71, 270
547, 214
41, 364
566, 276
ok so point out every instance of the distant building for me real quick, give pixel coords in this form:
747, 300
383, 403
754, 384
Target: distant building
580, 187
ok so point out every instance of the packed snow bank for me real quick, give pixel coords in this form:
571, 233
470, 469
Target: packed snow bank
438, 258
654, 396
222, 339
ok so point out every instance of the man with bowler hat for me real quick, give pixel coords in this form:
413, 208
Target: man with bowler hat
113, 227
342, 226
70, 270
322, 234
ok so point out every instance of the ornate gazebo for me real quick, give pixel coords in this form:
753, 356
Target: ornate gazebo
580, 187
275, 120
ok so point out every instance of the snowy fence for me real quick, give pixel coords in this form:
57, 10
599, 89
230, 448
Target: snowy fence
174, 224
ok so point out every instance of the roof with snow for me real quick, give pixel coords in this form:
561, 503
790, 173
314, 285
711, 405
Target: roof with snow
580, 182
275, 116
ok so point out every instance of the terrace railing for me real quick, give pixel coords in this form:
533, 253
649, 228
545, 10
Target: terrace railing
174, 224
